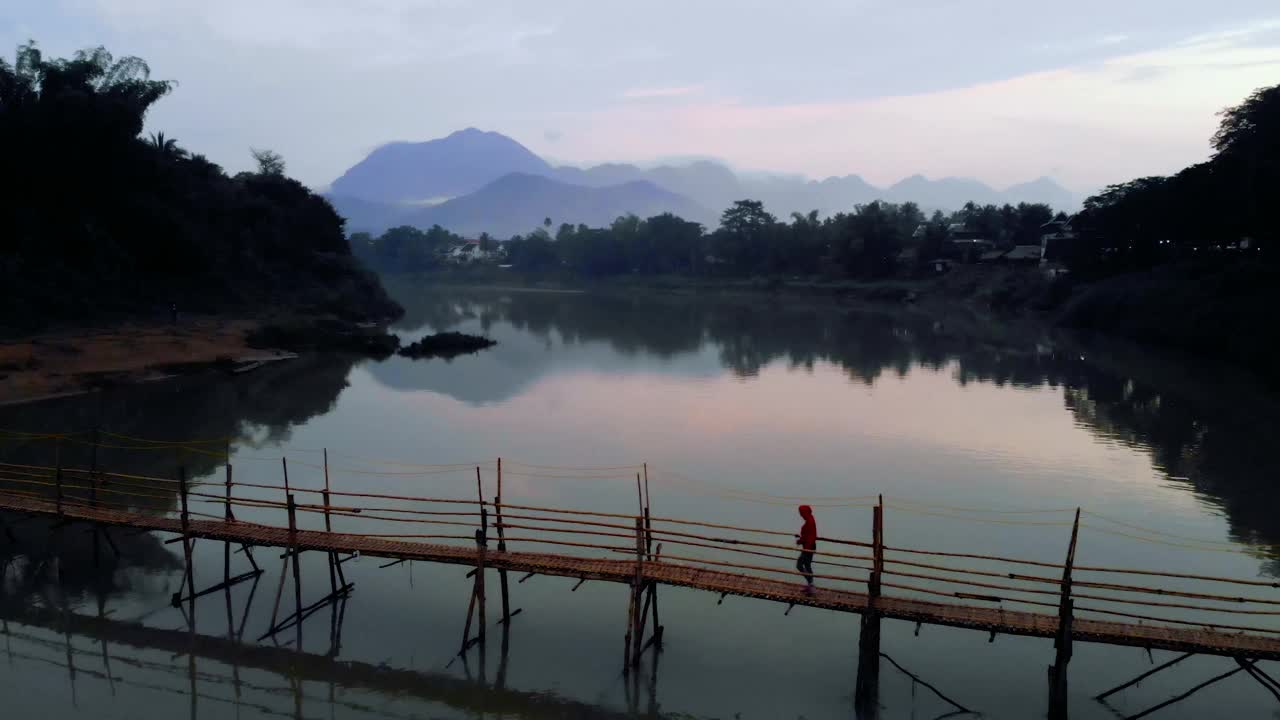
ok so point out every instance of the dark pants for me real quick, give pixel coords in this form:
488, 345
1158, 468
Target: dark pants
805, 565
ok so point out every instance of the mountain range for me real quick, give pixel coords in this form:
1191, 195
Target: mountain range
474, 181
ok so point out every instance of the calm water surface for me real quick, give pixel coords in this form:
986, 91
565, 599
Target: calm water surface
737, 406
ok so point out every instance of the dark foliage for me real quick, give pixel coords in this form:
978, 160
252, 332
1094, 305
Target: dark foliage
1220, 206
446, 344
99, 221
323, 333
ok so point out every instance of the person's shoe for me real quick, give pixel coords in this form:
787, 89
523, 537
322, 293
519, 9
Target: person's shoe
808, 590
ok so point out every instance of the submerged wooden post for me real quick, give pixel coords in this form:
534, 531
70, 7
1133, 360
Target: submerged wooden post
1062, 641
867, 687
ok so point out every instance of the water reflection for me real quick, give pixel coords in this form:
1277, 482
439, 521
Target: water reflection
40, 556
213, 675
1206, 428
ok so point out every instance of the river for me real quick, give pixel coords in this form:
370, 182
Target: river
982, 436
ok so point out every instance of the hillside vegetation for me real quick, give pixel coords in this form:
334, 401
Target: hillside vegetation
99, 221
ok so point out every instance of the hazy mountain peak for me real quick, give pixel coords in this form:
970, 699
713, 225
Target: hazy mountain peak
456, 164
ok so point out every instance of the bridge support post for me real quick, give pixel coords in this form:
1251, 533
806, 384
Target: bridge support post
477, 588
186, 544
328, 527
634, 627
866, 697
1062, 641
502, 548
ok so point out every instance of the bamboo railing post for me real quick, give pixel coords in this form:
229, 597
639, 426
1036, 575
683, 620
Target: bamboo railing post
284, 466
648, 523
1062, 641
867, 684
328, 526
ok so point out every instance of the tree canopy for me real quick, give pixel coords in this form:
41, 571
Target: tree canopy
1222, 205
98, 219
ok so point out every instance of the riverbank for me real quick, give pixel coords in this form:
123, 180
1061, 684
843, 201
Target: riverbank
78, 360
71, 361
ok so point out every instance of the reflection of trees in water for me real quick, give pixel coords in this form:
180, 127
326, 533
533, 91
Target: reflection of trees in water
261, 406
1190, 427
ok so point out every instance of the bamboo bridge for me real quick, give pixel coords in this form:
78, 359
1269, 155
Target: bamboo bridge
1065, 601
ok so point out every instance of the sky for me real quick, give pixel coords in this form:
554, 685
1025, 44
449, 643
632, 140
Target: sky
1089, 92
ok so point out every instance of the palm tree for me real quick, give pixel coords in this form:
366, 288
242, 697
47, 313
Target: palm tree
167, 147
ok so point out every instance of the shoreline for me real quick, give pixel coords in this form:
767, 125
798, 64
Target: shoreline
76, 361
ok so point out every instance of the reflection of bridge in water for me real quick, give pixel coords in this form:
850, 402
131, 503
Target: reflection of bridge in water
207, 685
1065, 601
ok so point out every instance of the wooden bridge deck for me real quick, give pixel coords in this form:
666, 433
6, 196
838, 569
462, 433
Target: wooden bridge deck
995, 619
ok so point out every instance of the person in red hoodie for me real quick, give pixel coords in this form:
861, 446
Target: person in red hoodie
808, 542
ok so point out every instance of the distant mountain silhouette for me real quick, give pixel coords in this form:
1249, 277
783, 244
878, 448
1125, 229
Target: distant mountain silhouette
518, 203
389, 186
946, 193
1043, 190
454, 165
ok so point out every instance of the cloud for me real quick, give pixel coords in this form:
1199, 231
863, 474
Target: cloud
1100, 123
660, 92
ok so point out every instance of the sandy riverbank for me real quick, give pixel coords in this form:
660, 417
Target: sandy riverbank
79, 360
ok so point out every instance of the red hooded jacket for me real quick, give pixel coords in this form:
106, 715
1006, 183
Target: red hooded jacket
809, 531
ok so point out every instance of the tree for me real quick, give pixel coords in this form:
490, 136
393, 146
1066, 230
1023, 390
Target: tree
270, 162
742, 238
167, 147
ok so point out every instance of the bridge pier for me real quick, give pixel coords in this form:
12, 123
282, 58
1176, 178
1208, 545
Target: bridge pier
866, 696
1062, 641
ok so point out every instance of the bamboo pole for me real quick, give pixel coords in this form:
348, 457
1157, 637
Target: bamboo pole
648, 521
481, 541
328, 525
297, 578
867, 683
502, 547
1143, 676
1062, 642
186, 544
637, 588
